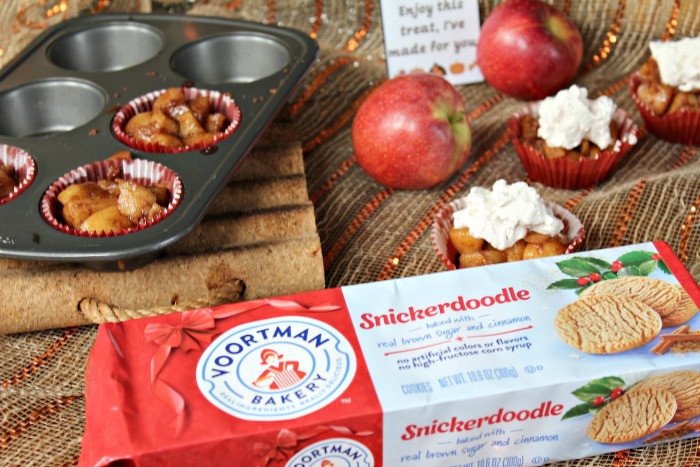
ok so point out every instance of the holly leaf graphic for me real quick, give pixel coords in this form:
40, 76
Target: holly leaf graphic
578, 410
664, 267
598, 263
635, 258
611, 382
647, 267
577, 267
629, 272
598, 387
590, 391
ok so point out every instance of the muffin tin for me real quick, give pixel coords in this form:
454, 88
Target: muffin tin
59, 97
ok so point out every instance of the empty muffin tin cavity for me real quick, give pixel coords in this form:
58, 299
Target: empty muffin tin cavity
48, 107
107, 47
230, 58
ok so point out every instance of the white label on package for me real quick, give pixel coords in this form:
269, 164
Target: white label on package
437, 36
516, 358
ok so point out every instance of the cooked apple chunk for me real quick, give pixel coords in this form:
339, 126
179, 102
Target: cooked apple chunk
478, 252
109, 219
464, 242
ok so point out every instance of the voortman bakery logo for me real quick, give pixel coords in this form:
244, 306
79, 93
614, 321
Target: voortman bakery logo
276, 369
336, 452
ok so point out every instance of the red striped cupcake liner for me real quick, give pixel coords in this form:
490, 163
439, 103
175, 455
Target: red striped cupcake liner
443, 223
220, 102
143, 172
24, 166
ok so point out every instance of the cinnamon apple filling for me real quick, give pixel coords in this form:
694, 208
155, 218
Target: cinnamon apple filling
175, 121
587, 149
478, 252
9, 180
112, 204
663, 99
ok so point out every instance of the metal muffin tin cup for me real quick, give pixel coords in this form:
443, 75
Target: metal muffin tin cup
58, 99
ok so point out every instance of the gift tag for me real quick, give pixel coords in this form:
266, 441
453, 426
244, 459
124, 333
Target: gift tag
437, 36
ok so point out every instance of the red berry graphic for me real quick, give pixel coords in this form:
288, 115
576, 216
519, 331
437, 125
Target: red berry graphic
617, 392
616, 266
594, 277
598, 400
582, 281
656, 257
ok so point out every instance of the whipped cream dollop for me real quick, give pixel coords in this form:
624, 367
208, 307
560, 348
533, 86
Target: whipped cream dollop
569, 117
506, 214
679, 62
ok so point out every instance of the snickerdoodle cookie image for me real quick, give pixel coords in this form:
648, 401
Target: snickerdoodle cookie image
658, 294
685, 310
632, 416
605, 324
685, 387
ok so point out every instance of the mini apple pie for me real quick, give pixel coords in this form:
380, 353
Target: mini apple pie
666, 90
569, 141
586, 149
505, 224
111, 204
112, 197
176, 120
661, 98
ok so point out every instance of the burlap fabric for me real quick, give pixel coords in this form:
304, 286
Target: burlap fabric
369, 232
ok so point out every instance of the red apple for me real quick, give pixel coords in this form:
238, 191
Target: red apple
528, 49
412, 132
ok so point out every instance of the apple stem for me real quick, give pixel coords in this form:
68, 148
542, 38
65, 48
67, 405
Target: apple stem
456, 118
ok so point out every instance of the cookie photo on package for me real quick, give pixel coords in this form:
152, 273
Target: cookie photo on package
528, 363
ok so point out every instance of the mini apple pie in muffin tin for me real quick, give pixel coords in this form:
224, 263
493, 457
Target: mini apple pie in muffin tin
185, 97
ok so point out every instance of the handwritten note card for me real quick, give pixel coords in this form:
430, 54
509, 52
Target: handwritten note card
437, 36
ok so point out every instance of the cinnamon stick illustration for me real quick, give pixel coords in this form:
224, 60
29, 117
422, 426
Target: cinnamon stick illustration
667, 342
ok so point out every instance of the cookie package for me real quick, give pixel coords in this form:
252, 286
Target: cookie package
518, 364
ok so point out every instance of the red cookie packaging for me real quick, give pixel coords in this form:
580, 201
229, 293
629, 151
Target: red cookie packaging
528, 362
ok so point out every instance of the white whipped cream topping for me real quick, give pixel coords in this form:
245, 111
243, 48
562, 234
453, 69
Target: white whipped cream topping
569, 117
506, 214
679, 62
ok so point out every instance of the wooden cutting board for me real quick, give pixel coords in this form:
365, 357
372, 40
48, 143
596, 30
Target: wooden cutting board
258, 239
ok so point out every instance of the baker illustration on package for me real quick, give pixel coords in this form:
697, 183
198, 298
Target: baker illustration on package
279, 374
559, 357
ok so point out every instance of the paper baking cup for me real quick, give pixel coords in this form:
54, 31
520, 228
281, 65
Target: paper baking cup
220, 103
440, 232
677, 127
140, 171
565, 173
24, 166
